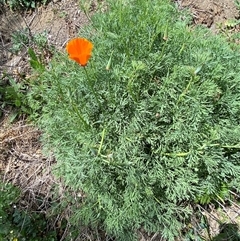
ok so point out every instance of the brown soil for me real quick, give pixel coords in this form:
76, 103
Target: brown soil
21, 159
212, 13
59, 21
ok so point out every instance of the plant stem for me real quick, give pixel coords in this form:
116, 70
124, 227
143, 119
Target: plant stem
91, 87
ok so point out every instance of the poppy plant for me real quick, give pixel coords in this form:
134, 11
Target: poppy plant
79, 50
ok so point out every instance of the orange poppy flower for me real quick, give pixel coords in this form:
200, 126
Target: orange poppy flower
79, 50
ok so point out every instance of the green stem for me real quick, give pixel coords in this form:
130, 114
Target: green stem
101, 143
91, 87
76, 110
185, 90
183, 154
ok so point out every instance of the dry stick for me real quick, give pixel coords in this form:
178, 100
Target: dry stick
212, 216
19, 60
55, 40
215, 217
65, 232
31, 199
235, 194
16, 137
195, 229
64, 43
154, 236
31, 21
235, 204
34, 173
225, 210
87, 236
56, 220
237, 212
6, 171
97, 233
3, 48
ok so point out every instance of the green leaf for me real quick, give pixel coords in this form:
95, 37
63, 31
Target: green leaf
32, 54
34, 61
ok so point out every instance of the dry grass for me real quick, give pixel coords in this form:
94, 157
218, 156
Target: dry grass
22, 162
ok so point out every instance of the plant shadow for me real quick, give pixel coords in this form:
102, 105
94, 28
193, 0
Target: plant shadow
228, 232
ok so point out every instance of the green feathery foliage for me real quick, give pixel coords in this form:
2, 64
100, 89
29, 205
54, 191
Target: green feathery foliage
156, 131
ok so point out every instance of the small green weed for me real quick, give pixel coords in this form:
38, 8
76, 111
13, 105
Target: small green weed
23, 39
13, 88
35, 62
16, 224
22, 4
237, 3
20, 40
9, 196
230, 28
13, 94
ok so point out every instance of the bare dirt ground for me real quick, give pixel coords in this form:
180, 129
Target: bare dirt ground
58, 21
21, 159
211, 13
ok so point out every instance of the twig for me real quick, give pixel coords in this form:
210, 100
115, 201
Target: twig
154, 236
31, 21
235, 204
225, 210
235, 194
212, 216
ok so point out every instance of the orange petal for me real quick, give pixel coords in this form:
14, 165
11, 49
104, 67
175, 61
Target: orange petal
79, 49
81, 59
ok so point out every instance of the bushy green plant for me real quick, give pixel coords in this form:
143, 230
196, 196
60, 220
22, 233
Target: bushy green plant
155, 131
